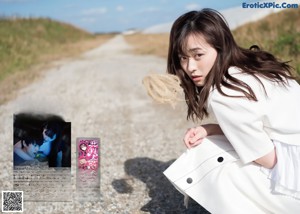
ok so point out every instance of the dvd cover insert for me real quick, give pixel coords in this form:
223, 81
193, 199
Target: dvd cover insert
88, 171
42, 157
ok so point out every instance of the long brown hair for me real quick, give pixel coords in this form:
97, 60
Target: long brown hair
213, 27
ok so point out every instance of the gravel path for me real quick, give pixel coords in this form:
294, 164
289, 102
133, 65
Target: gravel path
101, 94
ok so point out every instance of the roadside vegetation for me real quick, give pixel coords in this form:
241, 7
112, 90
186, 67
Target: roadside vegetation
27, 46
278, 33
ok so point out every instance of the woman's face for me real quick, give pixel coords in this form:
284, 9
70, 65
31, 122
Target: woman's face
83, 147
198, 59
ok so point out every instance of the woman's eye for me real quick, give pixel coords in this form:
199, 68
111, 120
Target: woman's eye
182, 58
198, 56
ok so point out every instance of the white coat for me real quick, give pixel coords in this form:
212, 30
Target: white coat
220, 173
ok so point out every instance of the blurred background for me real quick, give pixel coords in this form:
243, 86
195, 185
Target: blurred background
35, 32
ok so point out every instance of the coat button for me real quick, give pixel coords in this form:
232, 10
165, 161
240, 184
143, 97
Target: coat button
189, 180
220, 159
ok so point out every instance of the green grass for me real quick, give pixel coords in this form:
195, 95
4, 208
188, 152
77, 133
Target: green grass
278, 33
24, 42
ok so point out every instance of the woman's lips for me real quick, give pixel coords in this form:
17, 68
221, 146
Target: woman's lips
197, 78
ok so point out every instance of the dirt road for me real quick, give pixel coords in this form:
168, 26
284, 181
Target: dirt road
101, 94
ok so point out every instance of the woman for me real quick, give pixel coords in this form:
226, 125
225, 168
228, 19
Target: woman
255, 101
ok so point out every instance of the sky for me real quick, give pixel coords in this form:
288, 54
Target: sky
104, 16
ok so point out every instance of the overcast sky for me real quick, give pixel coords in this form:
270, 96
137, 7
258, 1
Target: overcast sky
110, 15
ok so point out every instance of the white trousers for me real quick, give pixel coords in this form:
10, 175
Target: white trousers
213, 176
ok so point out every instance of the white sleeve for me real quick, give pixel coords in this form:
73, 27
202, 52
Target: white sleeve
241, 120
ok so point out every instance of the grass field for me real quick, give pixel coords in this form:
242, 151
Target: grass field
278, 33
27, 46
153, 44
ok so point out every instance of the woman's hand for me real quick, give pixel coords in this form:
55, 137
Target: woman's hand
194, 136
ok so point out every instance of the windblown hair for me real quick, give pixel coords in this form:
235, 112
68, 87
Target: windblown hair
213, 27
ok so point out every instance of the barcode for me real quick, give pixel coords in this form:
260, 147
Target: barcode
12, 201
